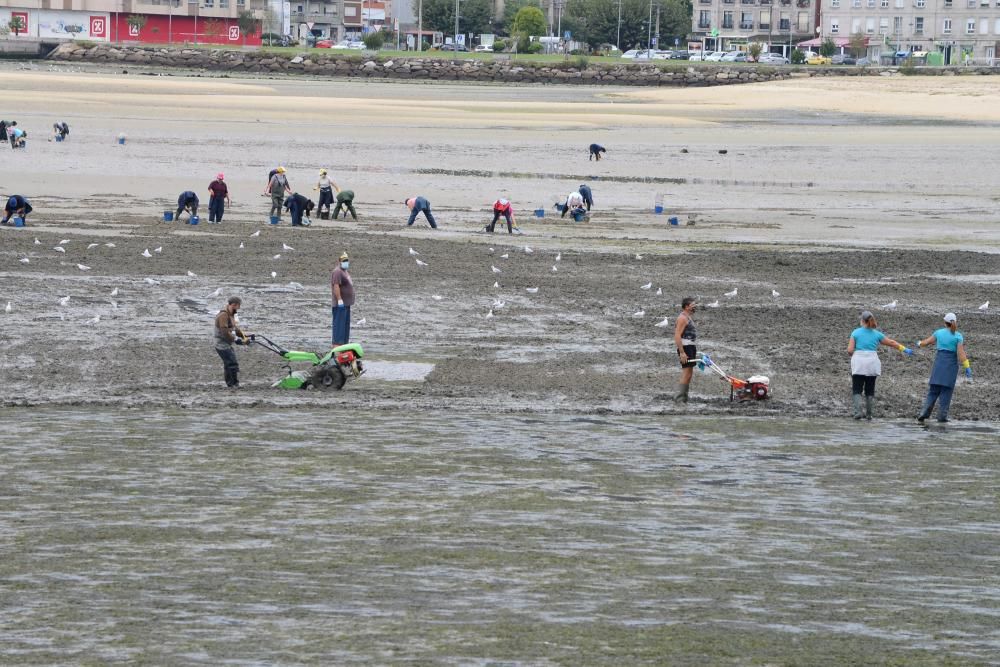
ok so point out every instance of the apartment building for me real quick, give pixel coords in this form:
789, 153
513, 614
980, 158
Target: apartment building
959, 30
142, 21
337, 20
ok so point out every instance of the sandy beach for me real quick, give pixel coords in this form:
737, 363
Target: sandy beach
840, 194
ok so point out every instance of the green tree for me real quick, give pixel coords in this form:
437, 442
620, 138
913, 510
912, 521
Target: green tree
17, 25
754, 50
374, 40
137, 21
510, 10
798, 57
596, 21
473, 15
249, 24
827, 48
858, 45
528, 22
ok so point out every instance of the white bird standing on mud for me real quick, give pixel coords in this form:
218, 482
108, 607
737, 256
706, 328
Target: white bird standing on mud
150, 281
110, 245
554, 268
528, 250
114, 292
37, 242
192, 274
9, 308
558, 256
714, 304
646, 286
659, 291
241, 245
285, 246
495, 269
489, 314
64, 301
436, 297
146, 253
419, 263
985, 306
775, 293
59, 248
25, 260
496, 284
891, 305
531, 290
413, 252
663, 323
217, 292
274, 274
91, 246
505, 256
158, 248
733, 293
256, 233
82, 267
64, 242
360, 323
278, 256
639, 313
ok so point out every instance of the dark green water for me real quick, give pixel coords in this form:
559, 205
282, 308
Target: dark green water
270, 537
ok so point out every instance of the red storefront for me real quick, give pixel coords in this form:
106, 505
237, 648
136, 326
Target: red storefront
181, 29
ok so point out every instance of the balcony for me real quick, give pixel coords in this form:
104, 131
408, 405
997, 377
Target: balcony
746, 25
763, 26
784, 24
802, 3
748, 2
704, 25
727, 25
314, 17
704, 2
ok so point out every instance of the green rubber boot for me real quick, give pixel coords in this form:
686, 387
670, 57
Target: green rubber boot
869, 407
856, 404
682, 393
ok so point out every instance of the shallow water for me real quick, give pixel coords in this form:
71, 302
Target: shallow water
264, 537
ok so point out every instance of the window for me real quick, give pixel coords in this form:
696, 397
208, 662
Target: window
947, 4
970, 26
870, 26
835, 4
900, 4
920, 3
856, 4
884, 4
834, 26
883, 26
918, 25
803, 22
971, 4
208, 4
855, 26
727, 20
785, 22
897, 25
704, 17
223, 4
746, 20
353, 11
996, 28
871, 3
765, 19
984, 26
946, 27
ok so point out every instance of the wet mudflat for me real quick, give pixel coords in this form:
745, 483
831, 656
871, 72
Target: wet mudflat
279, 536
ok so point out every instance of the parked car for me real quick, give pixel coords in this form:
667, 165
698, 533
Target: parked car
451, 47
484, 49
863, 62
323, 44
697, 55
843, 59
681, 55
346, 44
734, 57
715, 56
661, 55
819, 60
772, 59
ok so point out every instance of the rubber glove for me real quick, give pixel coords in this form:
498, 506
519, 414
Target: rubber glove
907, 351
340, 303
968, 374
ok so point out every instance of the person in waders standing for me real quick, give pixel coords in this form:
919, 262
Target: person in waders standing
685, 337
950, 354
862, 347
228, 333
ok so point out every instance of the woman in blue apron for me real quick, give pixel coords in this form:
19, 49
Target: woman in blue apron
950, 354
862, 347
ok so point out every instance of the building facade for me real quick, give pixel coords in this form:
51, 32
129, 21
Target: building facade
959, 30
338, 20
141, 21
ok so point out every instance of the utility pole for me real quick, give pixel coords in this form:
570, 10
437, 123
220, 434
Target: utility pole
657, 26
618, 42
455, 45
420, 26
649, 30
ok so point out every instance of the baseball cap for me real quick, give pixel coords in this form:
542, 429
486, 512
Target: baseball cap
343, 256
950, 317
866, 315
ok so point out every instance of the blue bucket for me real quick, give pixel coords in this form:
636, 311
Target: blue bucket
579, 216
658, 209
121, 141
275, 219
168, 216
674, 221
193, 220
59, 137
539, 212
19, 222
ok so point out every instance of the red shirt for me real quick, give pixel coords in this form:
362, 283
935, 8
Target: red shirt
218, 189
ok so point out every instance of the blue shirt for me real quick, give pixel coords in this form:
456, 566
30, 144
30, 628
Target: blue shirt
946, 340
867, 339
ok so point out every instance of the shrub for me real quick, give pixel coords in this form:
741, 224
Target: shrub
581, 60
754, 50
535, 47
374, 40
827, 48
798, 57
908, 67
499, 45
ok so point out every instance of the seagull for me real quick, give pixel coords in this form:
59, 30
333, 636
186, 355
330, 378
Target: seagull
295, 285
192, 274
985, 306
413, 252
59, 248
114, 304
274, 274
256, 233
733, 293
94, 320
491, 250
714, 304
360, 323
890, 306
25, 260
419, 263
92, 246
528, 250
554, 268
775, 293
663, 323
285, 246
531, 290
659, 291
278, 256
146, 253
83, 267
505, 256
114, 292
158, 248
217, 292
638, 256
489, 314
9, 308
436, 297
110, 245
496, 284
639, 313
558, 256
241, 245
64, 301
37, 242
646, 286
498, 304
495, 269
64, 242
150, 281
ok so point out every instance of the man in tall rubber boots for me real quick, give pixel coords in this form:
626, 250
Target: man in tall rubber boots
685, 337
228, 333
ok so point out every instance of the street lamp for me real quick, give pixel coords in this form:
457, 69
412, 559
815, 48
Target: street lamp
618, 43
420, 26
455, 45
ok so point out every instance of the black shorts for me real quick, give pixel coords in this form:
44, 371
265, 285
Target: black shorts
691, 351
